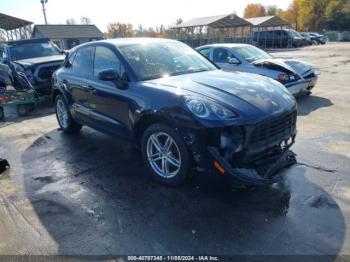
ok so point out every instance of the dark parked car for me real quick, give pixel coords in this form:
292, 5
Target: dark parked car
179, 108
277, 38
37, 58
320, 39
307, 38
316, 38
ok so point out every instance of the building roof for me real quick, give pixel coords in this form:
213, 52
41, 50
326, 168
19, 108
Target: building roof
265, 21
9, 22
67, 31
218, 21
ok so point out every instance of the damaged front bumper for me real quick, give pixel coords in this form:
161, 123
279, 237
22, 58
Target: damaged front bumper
302, 86
264, 171
251, 154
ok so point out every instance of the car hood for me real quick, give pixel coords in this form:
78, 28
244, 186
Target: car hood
286, 65
244, 92
40, 60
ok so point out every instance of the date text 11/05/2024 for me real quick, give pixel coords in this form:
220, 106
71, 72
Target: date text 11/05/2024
173, 258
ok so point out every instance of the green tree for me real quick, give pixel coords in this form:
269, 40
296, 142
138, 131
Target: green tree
273, 10
312, 14
337, 15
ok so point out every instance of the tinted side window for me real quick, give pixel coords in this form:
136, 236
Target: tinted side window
221, 55
105, 58
83, 61
205, 52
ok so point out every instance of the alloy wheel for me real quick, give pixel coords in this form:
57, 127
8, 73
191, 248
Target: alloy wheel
163, 155
62, 113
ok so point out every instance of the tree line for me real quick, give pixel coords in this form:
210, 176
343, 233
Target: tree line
308, 15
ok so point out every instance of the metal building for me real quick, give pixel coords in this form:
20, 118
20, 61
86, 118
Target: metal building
12, 28
212, 29
228, 28
67, 36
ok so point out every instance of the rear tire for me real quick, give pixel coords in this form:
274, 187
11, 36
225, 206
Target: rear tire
64, 117
165, 154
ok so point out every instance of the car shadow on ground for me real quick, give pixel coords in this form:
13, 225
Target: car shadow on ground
308, 104
93, 196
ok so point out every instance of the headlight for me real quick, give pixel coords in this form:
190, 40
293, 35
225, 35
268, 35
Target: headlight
208, 109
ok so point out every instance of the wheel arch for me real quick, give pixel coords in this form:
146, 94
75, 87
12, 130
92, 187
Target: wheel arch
55, 93
149, 119
59, 91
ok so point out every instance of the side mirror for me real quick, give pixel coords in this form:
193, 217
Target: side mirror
233, 61
108, 75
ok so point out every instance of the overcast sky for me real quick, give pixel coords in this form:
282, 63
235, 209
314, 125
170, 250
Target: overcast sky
145, 12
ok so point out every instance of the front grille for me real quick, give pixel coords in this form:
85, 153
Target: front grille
45, 73
273, 131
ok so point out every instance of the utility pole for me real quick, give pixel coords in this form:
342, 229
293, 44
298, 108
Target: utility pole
43, 2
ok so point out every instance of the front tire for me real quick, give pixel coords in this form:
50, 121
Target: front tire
64, 117
165, 154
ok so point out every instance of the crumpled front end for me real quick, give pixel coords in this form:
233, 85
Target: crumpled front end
250, 154
298, 77
308, 77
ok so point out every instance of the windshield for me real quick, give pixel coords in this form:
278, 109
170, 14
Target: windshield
156, 60
33, 50
251, 53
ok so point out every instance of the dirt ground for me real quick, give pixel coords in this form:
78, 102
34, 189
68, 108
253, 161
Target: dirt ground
89, 194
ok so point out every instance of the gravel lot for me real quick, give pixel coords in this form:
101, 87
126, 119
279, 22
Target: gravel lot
88, 194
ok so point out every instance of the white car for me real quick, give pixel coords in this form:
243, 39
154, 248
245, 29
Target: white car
297, 76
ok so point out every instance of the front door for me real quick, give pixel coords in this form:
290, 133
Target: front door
110, 102
222, 57
77, 81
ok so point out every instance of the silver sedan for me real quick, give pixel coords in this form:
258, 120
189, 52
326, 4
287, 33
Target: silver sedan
297, 76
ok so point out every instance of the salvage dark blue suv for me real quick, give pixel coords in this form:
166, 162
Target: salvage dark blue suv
181, 110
